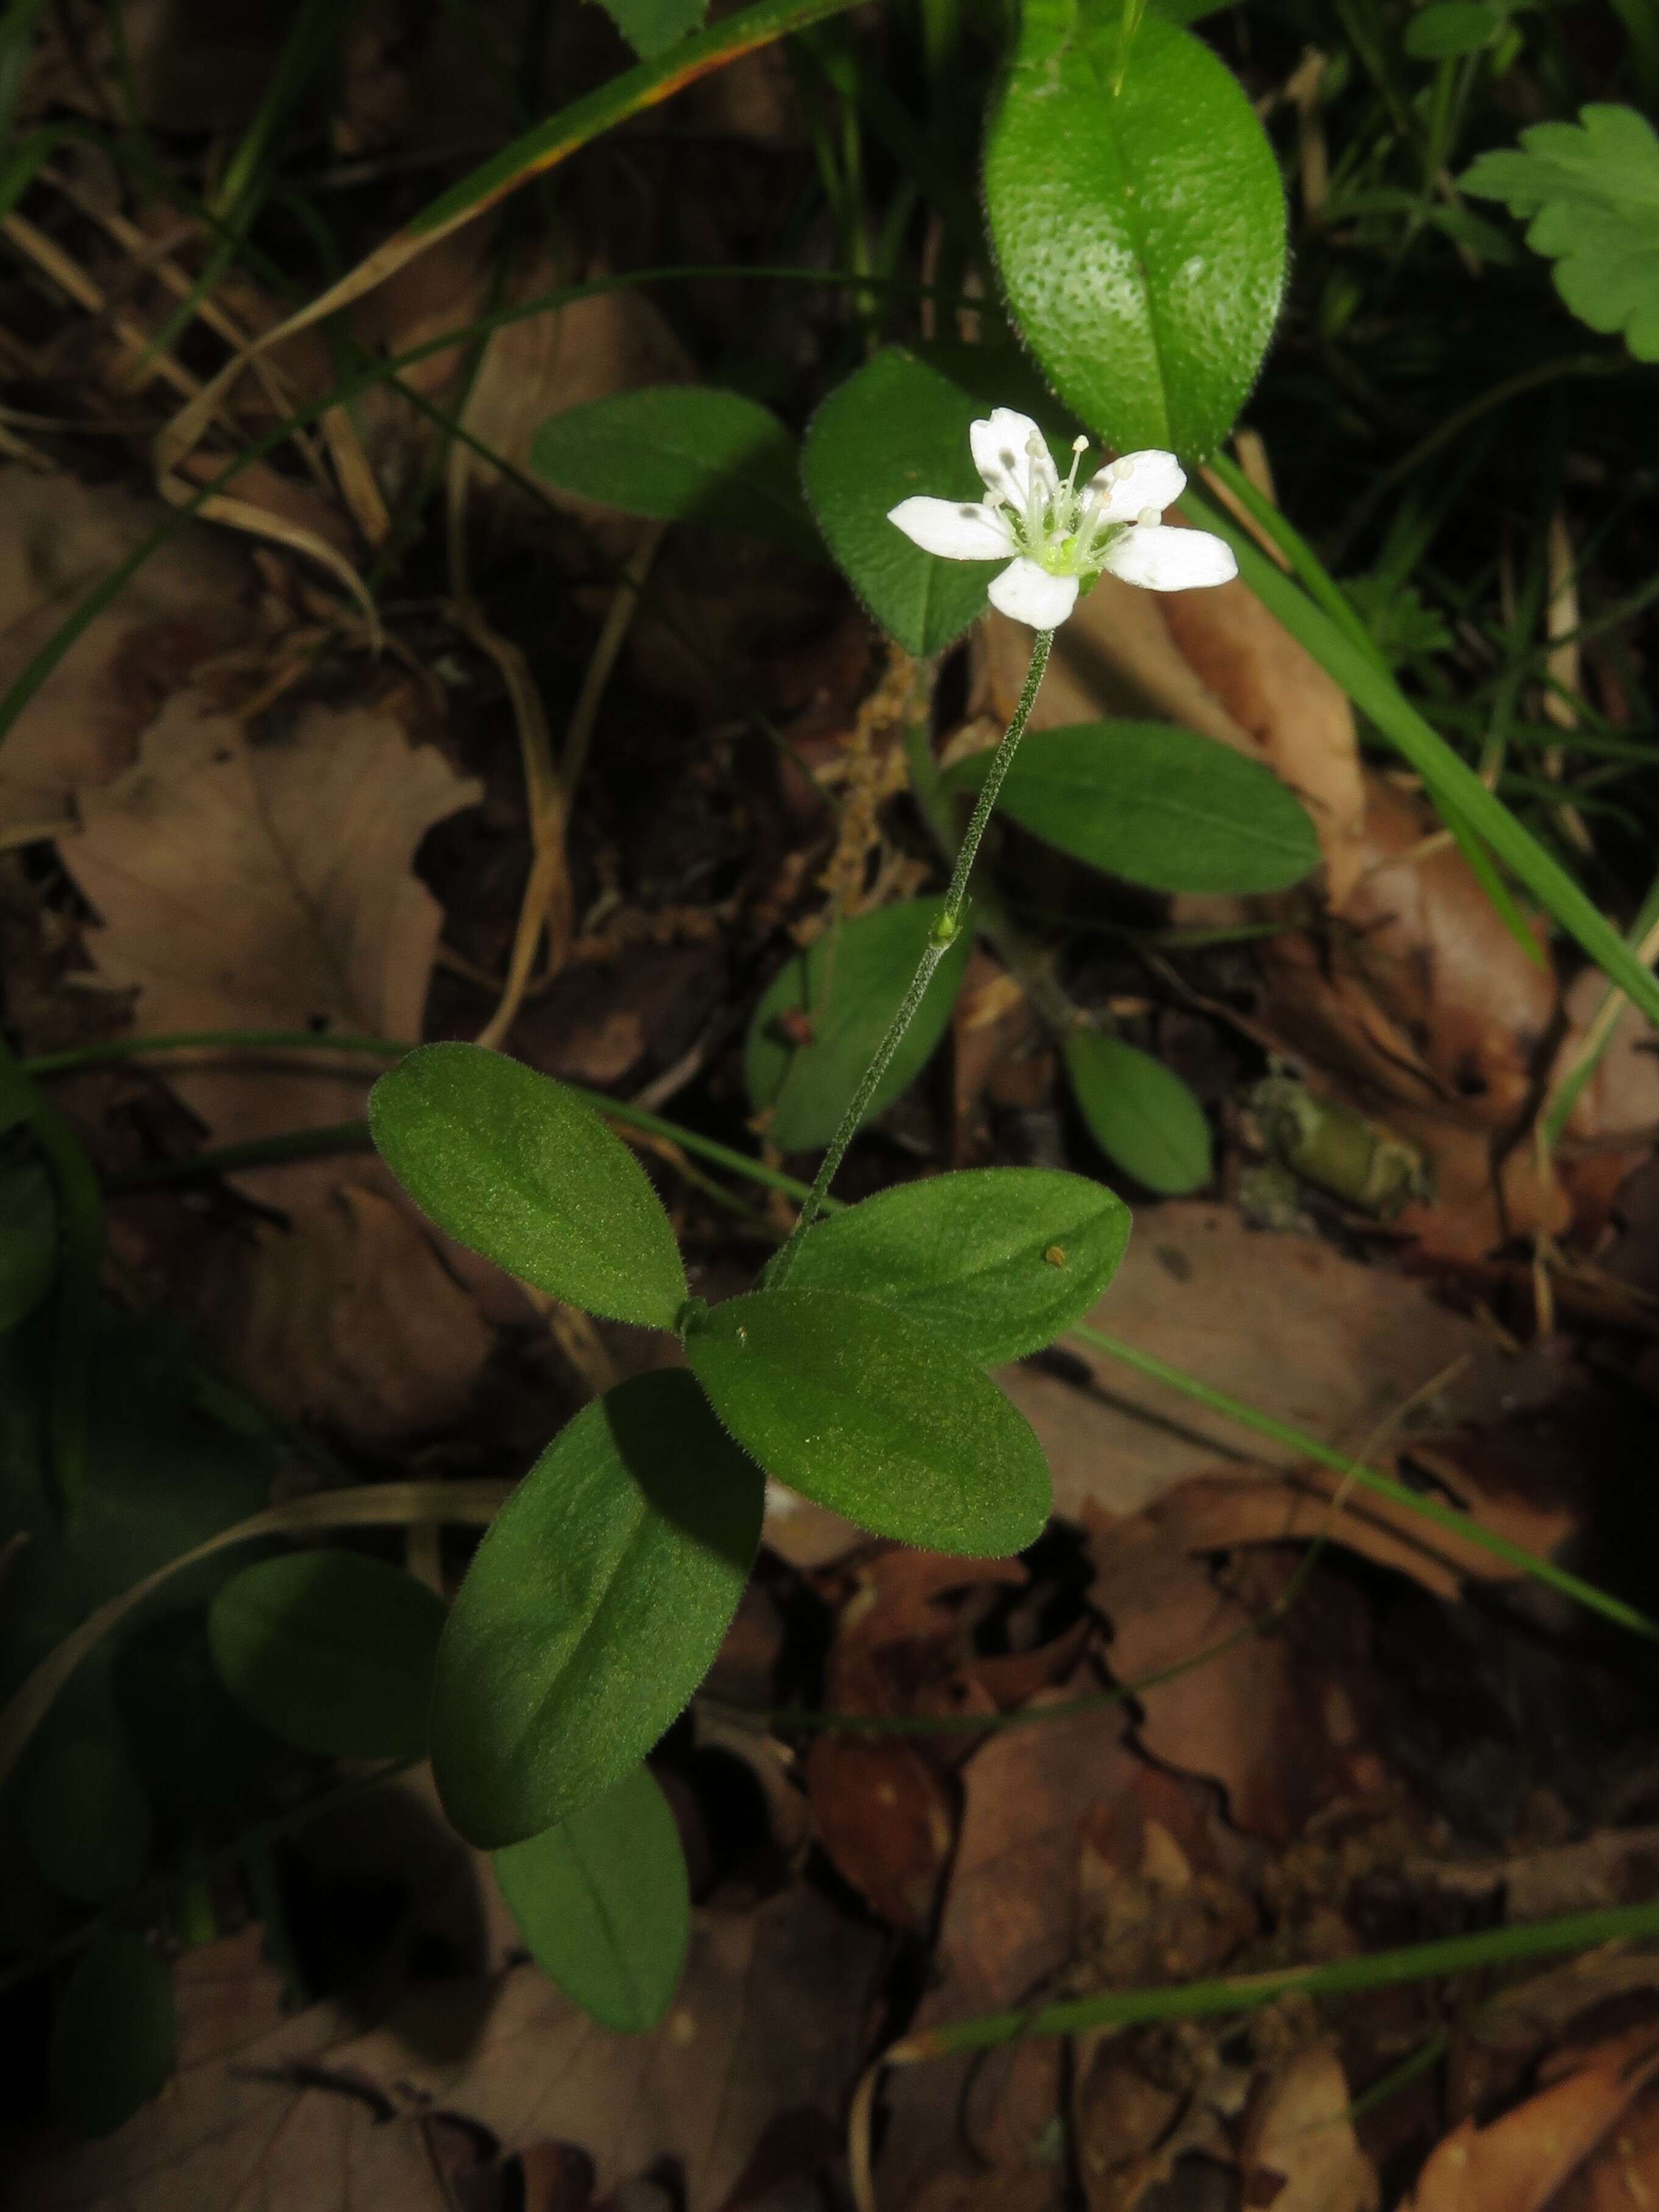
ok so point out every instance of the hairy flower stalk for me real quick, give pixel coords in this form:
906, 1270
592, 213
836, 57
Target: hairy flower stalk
1061, 537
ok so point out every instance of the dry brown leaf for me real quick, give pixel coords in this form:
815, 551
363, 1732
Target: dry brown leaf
1520, 2162
1623, 2175
1214, 1512
1078, 1865
1299, 2134
1275, 1725
1285, 1323
312, 2114
883, 1818
269, 883
189, 601
351, 1318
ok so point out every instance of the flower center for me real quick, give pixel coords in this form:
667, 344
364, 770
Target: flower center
1063, 529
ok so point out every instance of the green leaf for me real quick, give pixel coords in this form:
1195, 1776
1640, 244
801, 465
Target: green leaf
1450, 27
603, 1902
85, 1818
897, 428
115, 2035
1592, 191
332, 1651
999, 1260
507, 1163
28, 1238
682, 453
1156, 806
1139, 232
652, 26
846, 987
1140, 1115
594, 1608
870, 1413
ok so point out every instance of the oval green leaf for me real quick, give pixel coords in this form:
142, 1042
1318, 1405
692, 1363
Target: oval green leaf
332, 1651
845, 989
682, 453
28, 1238
1157, 805
897, 428
85, 1819
509, 1163
114, 2037
603, 1902
1141, 231
1450, 27
593, 1608
870, 1413
999, 1260
1139, 1113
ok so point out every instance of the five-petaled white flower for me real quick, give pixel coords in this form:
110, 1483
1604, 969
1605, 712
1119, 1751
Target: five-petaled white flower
1061, 536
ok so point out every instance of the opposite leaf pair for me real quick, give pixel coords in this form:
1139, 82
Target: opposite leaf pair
599, 1598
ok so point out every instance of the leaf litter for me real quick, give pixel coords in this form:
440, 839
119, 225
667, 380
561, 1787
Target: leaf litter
1058, 1824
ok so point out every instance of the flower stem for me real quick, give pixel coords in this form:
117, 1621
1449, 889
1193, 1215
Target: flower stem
944, 936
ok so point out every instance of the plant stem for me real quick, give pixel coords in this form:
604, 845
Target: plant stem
944, 933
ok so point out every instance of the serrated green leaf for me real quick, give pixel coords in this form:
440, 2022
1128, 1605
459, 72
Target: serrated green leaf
603, 1902
114, 2037
870, 1413
652, 26
593, 1608
507, 1163
1139, 231
1450, 27
898, 428
1138, 1112
999, 1260
1157, 805
848, 986
28, 1238
332, 1651
85, 1818
1592, 191
682, 453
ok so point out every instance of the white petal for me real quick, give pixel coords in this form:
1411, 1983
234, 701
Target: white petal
1161, 559
956, 530
1000, 446
1031, 595
1127, 488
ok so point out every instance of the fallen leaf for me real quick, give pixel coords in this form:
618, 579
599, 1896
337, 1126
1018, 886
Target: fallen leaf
1518, 2163
316, 2115
1078, 1865
1269, 1709
189, 601
1299, 2136
883, 1817
245, 882
1201, 1291
269, 883
1623, 2174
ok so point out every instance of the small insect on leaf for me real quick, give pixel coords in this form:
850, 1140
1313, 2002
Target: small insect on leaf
1055, 1255
795, 1026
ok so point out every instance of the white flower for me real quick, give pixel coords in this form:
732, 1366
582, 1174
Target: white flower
1061, 536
